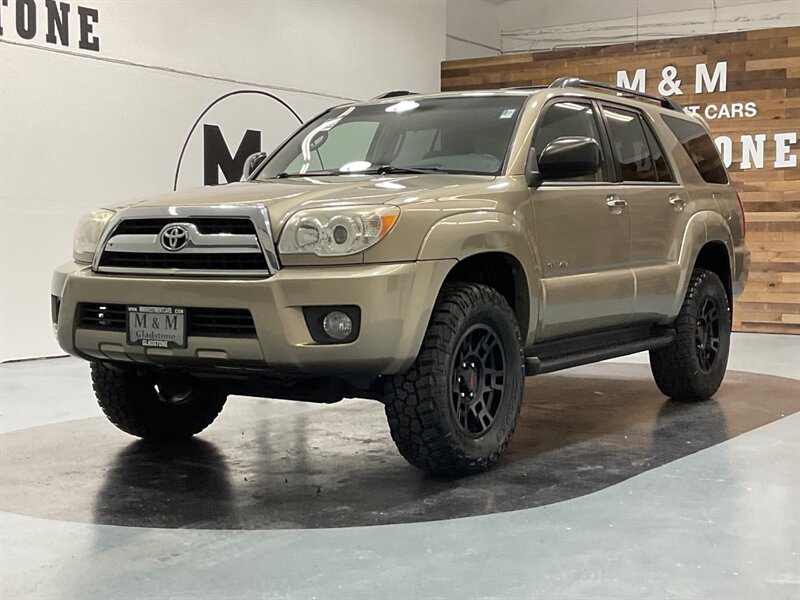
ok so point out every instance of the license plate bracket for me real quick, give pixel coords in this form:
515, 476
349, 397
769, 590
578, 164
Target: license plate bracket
156, 326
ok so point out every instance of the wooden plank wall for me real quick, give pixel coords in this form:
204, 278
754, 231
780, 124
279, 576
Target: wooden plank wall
763, 67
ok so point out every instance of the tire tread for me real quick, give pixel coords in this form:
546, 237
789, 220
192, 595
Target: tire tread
132, 405
415, 422
674, 367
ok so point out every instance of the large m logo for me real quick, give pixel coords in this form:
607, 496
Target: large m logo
217, 157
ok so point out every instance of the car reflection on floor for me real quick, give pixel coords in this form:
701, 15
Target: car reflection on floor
273, 464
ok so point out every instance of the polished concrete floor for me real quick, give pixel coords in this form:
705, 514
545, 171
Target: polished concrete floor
608, 491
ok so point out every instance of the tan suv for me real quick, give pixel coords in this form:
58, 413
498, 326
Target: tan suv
428, 252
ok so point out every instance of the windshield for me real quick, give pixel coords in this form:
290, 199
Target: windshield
451, 135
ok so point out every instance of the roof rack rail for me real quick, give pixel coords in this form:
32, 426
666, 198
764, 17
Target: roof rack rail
524, 87
577, 82
394, 94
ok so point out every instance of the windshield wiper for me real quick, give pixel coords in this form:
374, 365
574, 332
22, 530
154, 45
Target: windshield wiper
382, 170
395, 170
284, 175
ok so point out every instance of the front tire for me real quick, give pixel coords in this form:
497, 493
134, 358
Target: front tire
163, 411
692, 367
453, 412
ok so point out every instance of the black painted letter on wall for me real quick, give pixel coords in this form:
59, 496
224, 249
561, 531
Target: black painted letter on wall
216, 155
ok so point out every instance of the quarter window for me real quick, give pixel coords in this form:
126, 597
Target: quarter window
630, 146
568, 119
698, 145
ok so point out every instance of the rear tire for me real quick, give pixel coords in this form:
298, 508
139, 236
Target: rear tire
139, 405
692, 367
453, 412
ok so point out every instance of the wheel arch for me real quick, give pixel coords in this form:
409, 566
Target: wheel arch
503, 272
491, 248
715, 257
707, 243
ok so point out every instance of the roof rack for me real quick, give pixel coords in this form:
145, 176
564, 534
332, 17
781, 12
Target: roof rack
524, 87
577, 82
394, 94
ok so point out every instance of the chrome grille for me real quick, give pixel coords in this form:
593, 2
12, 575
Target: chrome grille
184, 241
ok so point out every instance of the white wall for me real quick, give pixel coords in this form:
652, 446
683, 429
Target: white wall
473, 28
81, 129
531, 25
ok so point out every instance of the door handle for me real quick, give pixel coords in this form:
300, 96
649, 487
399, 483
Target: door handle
677, 202
615, 204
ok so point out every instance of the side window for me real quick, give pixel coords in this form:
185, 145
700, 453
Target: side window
568, 119
698, 145
630, 145
662, 168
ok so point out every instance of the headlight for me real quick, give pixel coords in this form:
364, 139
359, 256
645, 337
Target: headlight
336, 231
88, 232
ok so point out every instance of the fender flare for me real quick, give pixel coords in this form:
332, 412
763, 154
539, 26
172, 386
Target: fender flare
470, 234
703, 227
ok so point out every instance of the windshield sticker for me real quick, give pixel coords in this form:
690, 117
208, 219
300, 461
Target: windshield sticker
508, 113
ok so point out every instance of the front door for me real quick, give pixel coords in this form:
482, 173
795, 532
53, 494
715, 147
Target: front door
583, 235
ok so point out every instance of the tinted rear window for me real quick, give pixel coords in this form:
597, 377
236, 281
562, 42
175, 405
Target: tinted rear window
698, 145
662, 168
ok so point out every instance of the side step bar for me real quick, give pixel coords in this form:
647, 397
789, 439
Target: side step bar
548, 363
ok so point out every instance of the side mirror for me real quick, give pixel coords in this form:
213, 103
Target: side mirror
251, 163
569, 157
532, 175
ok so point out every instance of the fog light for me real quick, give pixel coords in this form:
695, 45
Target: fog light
337, 325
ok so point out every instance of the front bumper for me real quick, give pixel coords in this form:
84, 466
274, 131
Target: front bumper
395, 300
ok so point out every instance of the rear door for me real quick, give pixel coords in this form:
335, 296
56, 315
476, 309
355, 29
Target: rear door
582, 234
658, 206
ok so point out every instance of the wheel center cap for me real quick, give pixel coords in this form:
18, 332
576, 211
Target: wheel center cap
472, 379
469, 379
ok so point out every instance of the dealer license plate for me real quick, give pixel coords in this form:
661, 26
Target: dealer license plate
157, 326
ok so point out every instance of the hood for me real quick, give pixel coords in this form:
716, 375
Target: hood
283, 197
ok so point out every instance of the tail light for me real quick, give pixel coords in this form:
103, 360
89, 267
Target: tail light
741, 209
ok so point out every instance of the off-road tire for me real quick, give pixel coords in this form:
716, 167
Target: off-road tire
677, 367
132, 403
419, 402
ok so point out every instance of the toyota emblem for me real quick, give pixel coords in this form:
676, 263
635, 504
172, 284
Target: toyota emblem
174, 237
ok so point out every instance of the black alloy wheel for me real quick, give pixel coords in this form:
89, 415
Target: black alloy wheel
707, 335
478, 380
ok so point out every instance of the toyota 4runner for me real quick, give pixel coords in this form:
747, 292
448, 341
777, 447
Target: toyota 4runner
428, 252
